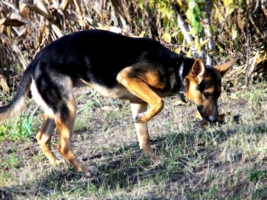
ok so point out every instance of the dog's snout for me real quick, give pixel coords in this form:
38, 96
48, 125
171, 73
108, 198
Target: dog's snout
213, 118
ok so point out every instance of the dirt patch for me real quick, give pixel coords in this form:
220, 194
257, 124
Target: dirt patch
214, 162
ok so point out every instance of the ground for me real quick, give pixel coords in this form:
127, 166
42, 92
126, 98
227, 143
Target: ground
222, 161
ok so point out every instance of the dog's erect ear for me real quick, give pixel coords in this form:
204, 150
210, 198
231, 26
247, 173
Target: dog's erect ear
197, 71
226, 66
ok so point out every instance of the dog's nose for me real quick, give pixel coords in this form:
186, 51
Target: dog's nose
213, 118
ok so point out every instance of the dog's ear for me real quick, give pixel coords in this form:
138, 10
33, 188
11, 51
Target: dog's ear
226, 66
197, 71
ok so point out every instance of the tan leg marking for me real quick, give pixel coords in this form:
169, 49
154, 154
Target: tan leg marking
140, 88
65, 127
142, 130
44, 139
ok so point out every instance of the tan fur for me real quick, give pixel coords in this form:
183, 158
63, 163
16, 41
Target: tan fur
142, 90
142, 130
44, 139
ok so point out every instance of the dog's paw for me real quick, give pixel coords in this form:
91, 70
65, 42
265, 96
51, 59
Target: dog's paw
154, 158
57, 162
141, 118
89, 170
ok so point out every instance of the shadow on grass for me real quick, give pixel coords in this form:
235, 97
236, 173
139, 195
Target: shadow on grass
125, 172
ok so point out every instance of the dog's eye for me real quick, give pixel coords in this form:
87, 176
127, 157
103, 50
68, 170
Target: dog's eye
207, 94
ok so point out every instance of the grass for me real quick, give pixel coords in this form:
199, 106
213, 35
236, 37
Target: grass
225, 161
20, 129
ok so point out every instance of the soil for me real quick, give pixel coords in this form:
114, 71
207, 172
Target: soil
104, 136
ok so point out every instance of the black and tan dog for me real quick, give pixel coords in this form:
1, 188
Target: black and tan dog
137, 69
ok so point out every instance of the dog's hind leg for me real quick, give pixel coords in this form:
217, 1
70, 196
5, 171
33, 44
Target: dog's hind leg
44, 139
142, 130
64, 120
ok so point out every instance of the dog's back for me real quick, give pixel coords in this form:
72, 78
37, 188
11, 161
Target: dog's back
101, 52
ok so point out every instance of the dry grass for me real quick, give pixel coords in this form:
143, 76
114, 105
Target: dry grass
226, 161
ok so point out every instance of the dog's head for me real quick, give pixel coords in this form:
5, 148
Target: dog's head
204, 87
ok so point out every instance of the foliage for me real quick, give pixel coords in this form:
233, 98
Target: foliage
18, 129
233, 23
194, 14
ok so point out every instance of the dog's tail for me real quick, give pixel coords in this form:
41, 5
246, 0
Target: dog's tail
18, 103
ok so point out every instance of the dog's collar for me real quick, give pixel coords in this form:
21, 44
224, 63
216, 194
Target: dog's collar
182, 82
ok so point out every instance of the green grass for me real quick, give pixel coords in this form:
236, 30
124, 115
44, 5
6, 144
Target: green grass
18, 129
225, 161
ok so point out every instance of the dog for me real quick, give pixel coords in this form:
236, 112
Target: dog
140, 70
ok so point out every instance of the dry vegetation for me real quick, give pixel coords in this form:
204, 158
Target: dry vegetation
226, 161
26, 27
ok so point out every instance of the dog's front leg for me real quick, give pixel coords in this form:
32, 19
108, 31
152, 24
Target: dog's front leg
141, 87
142, 130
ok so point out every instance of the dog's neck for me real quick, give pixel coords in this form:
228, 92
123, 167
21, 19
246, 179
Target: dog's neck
184, 69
